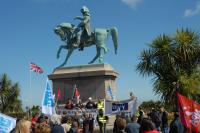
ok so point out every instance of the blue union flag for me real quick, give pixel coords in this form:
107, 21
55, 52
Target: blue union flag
109, 92
48, 103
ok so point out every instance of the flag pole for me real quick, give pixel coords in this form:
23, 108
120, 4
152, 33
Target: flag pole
30, 84
56, 104
74, 89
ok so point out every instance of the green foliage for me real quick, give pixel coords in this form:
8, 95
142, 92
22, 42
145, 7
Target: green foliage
9, 96
19, 115
148, 105
172, 59
191, 84
35, 110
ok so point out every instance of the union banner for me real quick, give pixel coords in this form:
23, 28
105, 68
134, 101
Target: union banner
189, 113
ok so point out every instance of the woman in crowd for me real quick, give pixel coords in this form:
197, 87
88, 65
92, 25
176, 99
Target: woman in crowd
121, 124
42, 126
65, 123
23, 126
42, 129
74, 128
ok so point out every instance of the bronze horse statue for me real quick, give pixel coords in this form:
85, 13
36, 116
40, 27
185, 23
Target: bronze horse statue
98, 37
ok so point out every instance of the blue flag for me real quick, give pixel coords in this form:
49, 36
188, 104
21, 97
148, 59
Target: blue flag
7, 123
48, 103
109, 92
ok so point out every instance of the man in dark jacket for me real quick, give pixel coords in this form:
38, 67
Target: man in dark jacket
164, 118
156, 118
176, 125
90, 104
133, 127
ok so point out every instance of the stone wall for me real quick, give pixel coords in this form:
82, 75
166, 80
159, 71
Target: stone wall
91, 81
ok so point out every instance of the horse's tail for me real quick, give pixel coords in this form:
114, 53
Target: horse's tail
114, 34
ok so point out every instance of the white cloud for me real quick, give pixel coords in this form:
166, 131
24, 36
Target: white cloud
131, 3
192, 12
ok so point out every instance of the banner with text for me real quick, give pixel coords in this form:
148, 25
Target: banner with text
7, 123
48, 102
114, 107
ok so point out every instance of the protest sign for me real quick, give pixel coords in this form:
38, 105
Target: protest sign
7, 123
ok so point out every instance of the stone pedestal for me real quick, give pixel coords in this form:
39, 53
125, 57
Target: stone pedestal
91, 81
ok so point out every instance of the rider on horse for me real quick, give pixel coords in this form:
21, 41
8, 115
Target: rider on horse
83, 31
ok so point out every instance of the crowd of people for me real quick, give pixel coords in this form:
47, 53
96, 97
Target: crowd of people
154, 121
64, 123
56, 124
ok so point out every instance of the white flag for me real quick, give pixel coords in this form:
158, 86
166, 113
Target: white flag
7, 123
48, 103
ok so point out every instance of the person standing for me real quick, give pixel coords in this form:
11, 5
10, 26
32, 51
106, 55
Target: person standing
101, 119
133, 127
90, 104
156, 118
164, 120
140, 117
56, 124
100, 104
91, 123
65, 123
176, 125
86, 124
74, 127
115, 128
147, 126
23, 126
121, 124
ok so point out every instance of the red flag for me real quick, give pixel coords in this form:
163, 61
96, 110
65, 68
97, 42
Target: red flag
189, 113
35, 68
76, 93
59, 94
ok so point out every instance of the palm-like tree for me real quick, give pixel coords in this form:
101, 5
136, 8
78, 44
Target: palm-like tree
172, 59
9, 96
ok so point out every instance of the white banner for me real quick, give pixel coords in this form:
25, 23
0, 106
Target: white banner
48, 103
114, 107
72, 112
7, 123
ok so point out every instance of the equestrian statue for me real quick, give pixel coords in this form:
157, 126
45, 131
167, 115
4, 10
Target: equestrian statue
82, 36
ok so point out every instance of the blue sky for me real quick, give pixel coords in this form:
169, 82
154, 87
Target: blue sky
26, 35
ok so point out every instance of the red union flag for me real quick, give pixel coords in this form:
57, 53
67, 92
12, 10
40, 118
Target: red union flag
189, 112
35, 68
